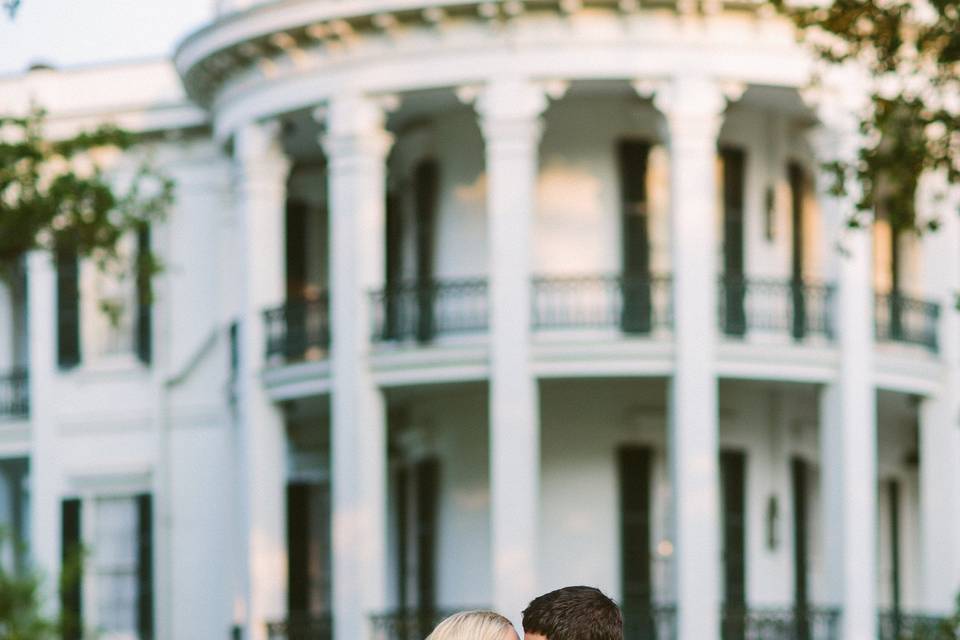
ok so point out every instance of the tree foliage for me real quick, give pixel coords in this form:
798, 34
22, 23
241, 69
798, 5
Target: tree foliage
56, 194
21, 611
909, 53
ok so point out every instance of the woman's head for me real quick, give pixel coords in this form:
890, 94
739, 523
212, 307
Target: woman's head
474, 625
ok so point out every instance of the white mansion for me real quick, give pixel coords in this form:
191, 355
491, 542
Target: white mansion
466, 300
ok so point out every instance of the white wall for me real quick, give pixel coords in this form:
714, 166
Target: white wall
453, 426
583, 424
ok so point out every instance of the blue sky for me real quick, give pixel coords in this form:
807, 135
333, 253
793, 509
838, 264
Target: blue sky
80, 32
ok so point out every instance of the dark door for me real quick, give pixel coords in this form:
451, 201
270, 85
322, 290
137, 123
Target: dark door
418, 521
635, 538
632, 157
735, 286
893, 493
427, 510
734, 521
798, 185
309, 559
393, 278
296, 269
426, 185
71, 588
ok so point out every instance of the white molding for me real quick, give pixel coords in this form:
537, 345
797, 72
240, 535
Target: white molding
472, 52
784, 362
300, 380
15, 438
599, 354
119, 481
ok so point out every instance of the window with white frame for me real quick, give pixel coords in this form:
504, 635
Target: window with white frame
104, 314
114, 599
115, 567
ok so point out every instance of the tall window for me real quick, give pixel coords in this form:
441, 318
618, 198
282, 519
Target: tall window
632, 158
14, 510
114, 594
115, 567
104, 314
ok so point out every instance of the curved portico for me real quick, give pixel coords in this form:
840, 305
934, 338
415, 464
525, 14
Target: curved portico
500, 96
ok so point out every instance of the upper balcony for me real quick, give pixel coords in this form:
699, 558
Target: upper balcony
601, 251
600, 310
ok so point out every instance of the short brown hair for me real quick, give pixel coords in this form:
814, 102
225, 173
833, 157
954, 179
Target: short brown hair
574, 613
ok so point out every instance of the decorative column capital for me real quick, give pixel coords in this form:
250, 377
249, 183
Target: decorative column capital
692, 105
356, 127
510, 109
258, 150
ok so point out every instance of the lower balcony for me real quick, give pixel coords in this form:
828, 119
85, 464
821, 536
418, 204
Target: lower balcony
657, 622
896, 625
765, 623
301, 627
14, 395
410, 624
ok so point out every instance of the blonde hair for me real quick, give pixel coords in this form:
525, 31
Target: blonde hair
473, 625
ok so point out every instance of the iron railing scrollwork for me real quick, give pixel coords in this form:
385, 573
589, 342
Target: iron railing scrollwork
423, 311
14, 394
900, 318
636, 305
298, 330
788, 623
301, 626
410, 624
656, 622
786, 307
900, 625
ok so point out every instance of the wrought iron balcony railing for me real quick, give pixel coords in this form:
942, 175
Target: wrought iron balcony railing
763, 623
14, 394
657, 622
634, 304
299, 330
301, 626
424, 311
410, 624
900, 318
793, 308
898, 625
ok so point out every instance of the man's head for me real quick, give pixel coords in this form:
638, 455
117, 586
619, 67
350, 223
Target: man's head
573, 613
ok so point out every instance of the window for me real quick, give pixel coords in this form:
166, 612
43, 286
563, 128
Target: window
14, 513
114, 557
114, 595
104, 315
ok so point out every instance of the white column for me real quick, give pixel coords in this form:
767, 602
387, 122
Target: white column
510, 112
693, 108
848, 432
356, 145
44, 467
261, 170
940, 425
